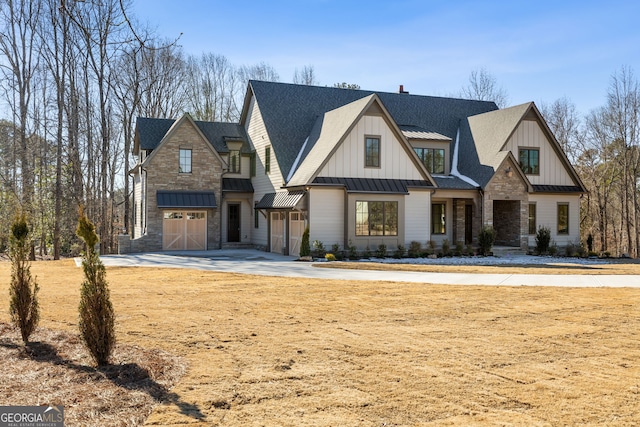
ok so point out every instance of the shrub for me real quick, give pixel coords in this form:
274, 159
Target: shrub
23, 290
590, 243
543, 239
335, 250
96, 312
469, 250
459, 248
581, 251
570, 250
305, 248
400, 252
486, 239
553, 249
367, 253
318, 249
431, 247
415, 249
330, 257
381, 252
446, 248
353, 251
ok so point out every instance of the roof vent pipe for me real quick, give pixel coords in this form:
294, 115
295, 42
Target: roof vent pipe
401, 90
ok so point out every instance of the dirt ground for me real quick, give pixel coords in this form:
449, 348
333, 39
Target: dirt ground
263, 351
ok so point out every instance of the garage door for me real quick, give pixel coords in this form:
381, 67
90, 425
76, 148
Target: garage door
296, 229
277, 232
184, 231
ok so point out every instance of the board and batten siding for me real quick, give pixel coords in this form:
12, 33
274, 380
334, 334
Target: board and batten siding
417, 219
138, 205
528, 134
326, 216
262, 183
547, 216
348, 160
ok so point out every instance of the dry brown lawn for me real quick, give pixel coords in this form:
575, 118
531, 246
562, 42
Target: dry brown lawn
263, 351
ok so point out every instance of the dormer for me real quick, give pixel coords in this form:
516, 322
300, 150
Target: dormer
433, 149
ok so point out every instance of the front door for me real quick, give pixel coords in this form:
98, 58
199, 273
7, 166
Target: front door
468, 224
233, 223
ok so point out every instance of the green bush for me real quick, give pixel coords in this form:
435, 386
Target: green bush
486, 239
96, 312
305, 247
367, 253
458, 251
446, 248
415, 249
381, 252
318, 249
23, 290
337, 253
353, 251
543, 239
469, 250
400, 252
431, 247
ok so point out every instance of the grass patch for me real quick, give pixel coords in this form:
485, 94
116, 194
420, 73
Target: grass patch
305, 352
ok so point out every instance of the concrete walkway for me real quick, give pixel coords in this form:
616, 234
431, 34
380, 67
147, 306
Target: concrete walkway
249, 261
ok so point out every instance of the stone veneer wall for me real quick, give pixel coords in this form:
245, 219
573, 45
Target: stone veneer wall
511, 188
163, 174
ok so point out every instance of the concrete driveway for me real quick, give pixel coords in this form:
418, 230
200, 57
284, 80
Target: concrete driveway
250, 261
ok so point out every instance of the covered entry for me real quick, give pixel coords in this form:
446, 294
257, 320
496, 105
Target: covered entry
506, 222
286, 221
184, 219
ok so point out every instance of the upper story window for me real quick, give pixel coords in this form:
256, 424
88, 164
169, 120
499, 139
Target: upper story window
529, 160
372, 152
433, 158
234, 161
267, 160
185, 160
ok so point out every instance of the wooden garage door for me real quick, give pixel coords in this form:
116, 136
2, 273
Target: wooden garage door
184, 231
296, 229
277, 232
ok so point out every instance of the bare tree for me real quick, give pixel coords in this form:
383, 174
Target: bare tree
306, 76
212, 86
563, 120
483, 86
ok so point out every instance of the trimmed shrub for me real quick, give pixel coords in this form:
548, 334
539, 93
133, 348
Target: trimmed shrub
318, 249
23, 290
486, 239
400, 252
337, 253
367, 253
305, 247
353, 251
431, 247
469, 250
330, 257
96, 312
381, 252
415, 249
446, 248
458, 251
543, 239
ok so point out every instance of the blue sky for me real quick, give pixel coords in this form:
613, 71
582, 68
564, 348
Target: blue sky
538, 50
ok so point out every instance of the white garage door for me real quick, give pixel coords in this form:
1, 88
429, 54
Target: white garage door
277, 232
184, 231
296, 229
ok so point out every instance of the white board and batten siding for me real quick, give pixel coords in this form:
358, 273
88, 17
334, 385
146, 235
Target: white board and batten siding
417, 221
263, 183
529, 134
326, 216
349, 159
547, 216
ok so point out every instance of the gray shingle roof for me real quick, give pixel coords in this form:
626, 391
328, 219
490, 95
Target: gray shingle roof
290, 112
151, 131
186, 199
452, 182
374, 185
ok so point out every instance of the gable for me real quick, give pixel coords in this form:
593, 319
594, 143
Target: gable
553, 170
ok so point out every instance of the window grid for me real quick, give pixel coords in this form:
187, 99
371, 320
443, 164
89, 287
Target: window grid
185, 161
529, 159
372, 152
376, 218
432, 158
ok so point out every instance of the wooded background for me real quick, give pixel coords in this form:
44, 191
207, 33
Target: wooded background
76, 74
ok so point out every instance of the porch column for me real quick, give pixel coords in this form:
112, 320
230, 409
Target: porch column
459, 220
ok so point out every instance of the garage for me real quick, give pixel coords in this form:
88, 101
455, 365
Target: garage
296, 229
286, 220
184, 231
184, 219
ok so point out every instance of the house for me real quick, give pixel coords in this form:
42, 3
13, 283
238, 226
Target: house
360, 168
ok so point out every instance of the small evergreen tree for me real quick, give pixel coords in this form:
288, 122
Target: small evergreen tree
23, 290
305, 247
96, 312
543, 240
486, 239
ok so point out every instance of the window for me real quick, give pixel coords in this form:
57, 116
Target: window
438, 218
376, 218
185, 161
530, 160
252, 164
234, 161
563, 218
532, 218
267, 160
256, 218
433, 158
372, 152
